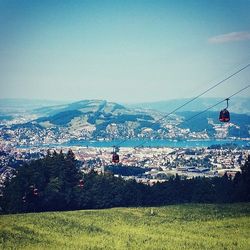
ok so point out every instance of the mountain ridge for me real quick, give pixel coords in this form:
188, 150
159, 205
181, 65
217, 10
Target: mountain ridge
236, 104
102, 120
239, 105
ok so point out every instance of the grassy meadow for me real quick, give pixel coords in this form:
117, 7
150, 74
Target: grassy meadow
194, 226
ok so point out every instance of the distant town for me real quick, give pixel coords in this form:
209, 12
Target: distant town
155, 164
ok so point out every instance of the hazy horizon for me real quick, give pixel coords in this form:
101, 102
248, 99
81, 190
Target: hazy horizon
61, 101
123, 51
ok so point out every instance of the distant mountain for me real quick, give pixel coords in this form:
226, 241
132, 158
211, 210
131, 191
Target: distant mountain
17, 105
84, 106
91, 112
83, 120
239, 105
102, 120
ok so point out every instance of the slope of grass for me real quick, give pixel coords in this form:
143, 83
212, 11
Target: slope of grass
171, 227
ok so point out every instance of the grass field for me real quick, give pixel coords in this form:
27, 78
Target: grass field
171, 227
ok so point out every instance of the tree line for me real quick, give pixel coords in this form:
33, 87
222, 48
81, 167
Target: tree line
55, 183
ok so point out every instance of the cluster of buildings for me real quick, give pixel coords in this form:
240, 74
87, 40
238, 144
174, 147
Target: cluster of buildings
158, 164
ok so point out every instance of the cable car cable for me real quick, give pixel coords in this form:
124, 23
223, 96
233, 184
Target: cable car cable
196, 97
190, 118
207, 109
115, 157
209, 89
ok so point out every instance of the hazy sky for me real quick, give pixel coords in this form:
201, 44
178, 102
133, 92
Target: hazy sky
123, 51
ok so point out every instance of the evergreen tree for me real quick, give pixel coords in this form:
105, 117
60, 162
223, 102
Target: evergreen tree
44, 184
242, 183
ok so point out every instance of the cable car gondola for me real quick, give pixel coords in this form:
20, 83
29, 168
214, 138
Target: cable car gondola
115, 156
81, 184
224, 114
35, 191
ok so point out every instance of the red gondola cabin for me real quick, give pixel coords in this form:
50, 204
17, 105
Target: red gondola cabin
115, 157
224, 115
81, 184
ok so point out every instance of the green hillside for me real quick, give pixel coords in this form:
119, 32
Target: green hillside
172, 227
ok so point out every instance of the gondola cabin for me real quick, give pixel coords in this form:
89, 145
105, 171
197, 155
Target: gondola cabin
35, 191
81, 184
115, 158
224, 115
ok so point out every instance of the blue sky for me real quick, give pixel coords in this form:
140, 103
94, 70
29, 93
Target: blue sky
123, 51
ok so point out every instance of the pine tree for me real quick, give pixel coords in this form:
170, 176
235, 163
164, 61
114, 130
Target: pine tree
246, 179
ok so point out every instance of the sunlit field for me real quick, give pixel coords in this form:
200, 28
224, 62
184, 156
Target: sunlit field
171, 227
